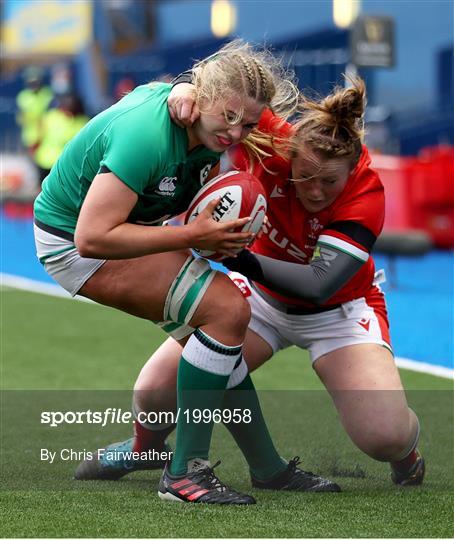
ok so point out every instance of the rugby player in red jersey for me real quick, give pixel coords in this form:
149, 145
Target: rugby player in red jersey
312, 280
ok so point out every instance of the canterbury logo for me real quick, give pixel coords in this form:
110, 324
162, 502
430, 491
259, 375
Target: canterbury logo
167, 184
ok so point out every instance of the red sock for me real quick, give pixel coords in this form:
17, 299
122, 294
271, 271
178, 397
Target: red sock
407, 463
146, 439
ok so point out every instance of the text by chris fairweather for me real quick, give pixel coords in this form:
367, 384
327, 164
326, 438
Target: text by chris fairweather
69, 454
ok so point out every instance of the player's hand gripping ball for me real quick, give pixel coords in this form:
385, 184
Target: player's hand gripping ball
242, 195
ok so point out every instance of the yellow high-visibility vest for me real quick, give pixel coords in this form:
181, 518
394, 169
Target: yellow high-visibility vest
57, 129
32, 105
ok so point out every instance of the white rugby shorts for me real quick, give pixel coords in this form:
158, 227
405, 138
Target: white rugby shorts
362, 320
62, 261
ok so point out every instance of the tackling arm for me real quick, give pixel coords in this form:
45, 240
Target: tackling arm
329, 270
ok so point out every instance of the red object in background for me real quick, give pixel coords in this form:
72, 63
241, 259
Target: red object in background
420, 193
123, 87
433, 177
18, 210
392, 171
431, 181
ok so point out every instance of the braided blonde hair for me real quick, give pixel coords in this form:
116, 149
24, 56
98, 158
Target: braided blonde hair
333, 126
238, 69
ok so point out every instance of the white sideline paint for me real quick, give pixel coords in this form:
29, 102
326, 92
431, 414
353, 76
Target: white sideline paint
25, 284
31, 285
423, 367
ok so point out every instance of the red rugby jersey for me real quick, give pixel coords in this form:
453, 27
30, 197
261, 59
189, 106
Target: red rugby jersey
351, 223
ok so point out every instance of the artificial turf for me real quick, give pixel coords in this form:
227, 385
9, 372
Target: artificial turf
58, 354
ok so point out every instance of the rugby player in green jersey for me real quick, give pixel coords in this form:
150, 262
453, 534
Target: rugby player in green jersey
131, 167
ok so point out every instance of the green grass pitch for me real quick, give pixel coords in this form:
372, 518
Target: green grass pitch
59, 354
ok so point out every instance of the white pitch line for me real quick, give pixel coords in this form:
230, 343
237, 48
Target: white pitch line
424, 367
31, 285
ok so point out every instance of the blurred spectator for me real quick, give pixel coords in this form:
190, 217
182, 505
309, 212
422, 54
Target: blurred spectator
32, 102
61, 79
59, 125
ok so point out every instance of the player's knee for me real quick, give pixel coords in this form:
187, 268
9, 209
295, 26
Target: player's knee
224, 306
156, 399
236, 312
156, 392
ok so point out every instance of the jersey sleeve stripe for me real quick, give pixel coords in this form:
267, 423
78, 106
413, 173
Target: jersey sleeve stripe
343, 246
356, 231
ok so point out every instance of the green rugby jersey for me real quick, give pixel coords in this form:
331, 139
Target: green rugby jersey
137, 141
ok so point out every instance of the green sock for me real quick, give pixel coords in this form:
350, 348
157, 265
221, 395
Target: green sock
253, 438
199, 390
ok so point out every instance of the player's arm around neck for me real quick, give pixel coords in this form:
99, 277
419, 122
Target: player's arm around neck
103, 233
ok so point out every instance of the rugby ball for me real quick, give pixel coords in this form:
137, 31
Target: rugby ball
242, 195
